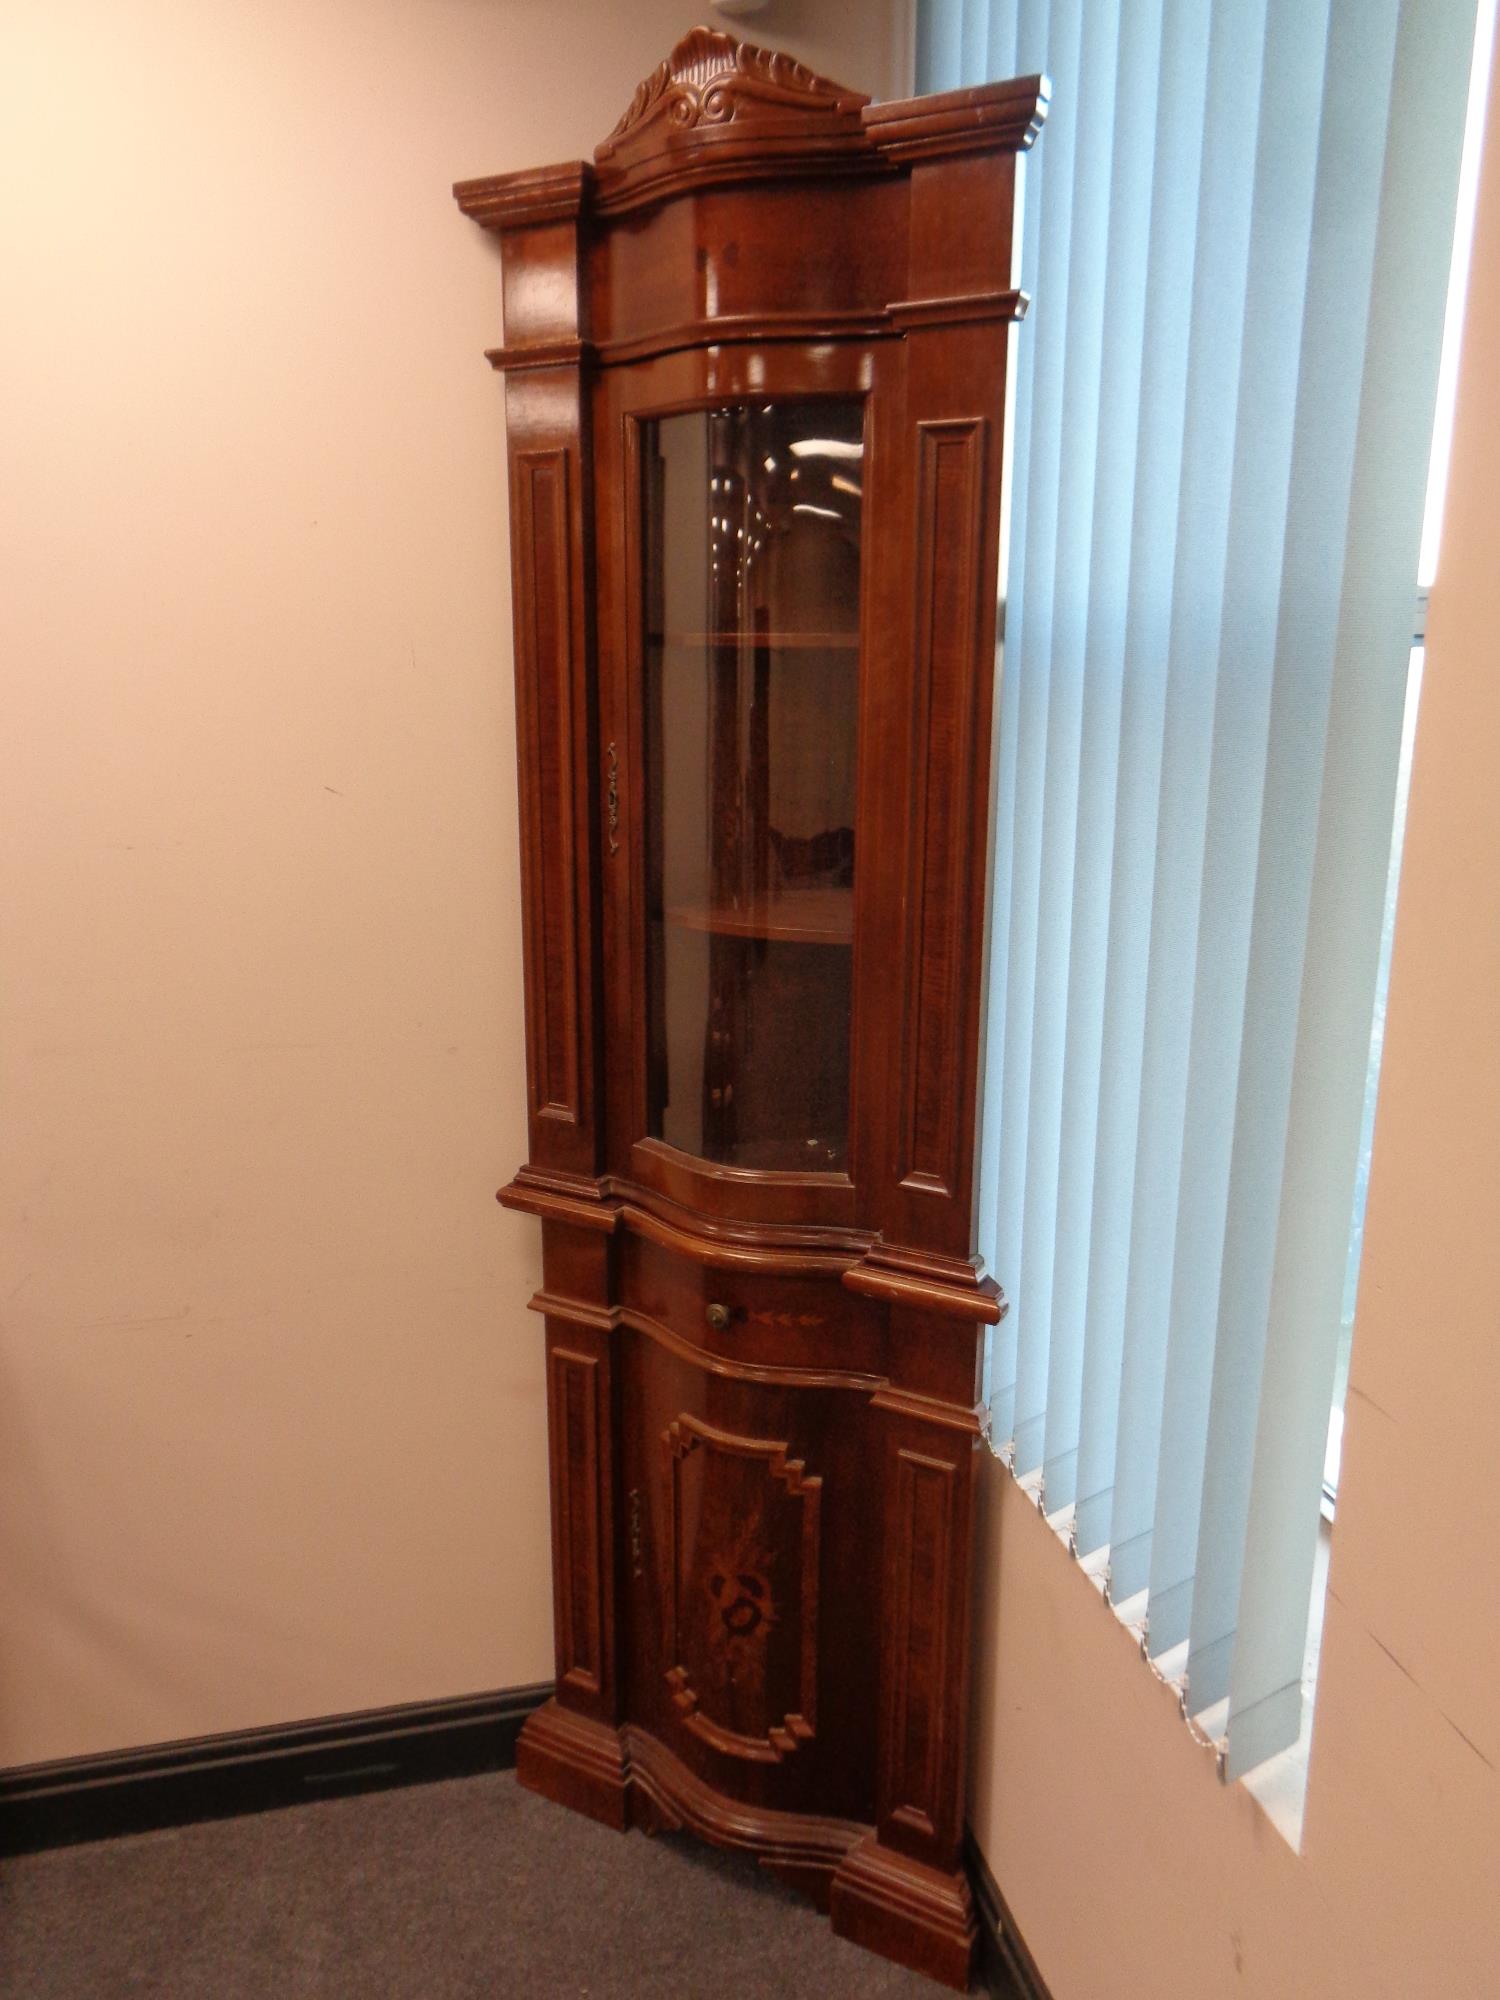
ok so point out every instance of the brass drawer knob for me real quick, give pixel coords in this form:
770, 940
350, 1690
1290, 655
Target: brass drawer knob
719, 1318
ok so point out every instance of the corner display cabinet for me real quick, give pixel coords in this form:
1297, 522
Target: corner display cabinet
755, 388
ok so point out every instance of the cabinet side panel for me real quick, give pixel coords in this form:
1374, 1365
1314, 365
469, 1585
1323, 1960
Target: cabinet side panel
581, 1527
543, 654
556, 731
929, 1484
950, 500
919, 1679
928, 811
926, 806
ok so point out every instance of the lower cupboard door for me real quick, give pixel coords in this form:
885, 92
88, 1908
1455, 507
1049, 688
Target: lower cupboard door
751, 1566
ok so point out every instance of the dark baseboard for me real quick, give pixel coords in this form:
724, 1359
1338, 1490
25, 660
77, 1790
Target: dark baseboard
254, 1770
1007, 1970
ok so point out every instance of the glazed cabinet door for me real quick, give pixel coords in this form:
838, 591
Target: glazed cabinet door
731, 645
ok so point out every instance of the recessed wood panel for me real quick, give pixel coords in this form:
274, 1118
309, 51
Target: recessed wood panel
578, 1607
950, 508
920, 1697
544, 670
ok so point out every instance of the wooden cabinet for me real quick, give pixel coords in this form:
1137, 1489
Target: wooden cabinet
755, 362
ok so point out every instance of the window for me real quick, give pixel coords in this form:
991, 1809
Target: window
1224, 412
1427, 561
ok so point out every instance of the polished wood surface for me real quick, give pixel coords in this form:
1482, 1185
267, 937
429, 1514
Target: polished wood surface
762, 1377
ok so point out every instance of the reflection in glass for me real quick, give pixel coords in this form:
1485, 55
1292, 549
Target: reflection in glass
751, 548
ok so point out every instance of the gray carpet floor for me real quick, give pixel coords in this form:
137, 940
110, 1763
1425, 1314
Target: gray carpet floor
440, 1892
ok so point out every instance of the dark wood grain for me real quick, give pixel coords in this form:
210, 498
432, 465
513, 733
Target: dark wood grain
577, 1490
762, 1383
743, 1571
949, 525
556, 710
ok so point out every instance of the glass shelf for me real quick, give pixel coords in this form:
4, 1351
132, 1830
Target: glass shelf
794, 916
778, 642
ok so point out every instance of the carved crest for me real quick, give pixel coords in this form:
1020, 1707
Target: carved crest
711, 80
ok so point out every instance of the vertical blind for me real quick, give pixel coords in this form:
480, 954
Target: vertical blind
1236, 232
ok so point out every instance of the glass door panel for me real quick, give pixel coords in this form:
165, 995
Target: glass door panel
751, 547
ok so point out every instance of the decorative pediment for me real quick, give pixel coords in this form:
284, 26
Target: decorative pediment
720, 113
709, 82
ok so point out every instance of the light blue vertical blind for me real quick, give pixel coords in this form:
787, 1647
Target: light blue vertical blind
1237, 231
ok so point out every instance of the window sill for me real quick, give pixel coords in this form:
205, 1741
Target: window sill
1279, 1785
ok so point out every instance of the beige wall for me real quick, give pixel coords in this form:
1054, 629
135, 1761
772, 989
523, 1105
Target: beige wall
271, 1431
1130, 1871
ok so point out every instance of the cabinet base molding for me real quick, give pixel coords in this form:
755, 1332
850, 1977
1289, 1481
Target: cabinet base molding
804, 1849
918, 1916
624, 1777
575, 1761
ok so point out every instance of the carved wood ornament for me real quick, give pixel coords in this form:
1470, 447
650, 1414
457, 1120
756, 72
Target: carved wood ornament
709, 78
755, 357
742, 1601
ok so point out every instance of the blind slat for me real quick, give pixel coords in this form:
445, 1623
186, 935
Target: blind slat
1053, 1347
1004, 58
1121, 1385
999, 1243
1100, 429
973, 37
1159, 1423
1043, 677
1000, 57
1024, 711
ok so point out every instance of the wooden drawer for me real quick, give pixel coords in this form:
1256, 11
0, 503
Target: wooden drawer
802, 1322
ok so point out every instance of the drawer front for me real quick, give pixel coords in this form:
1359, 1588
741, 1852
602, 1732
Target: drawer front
799, 1323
